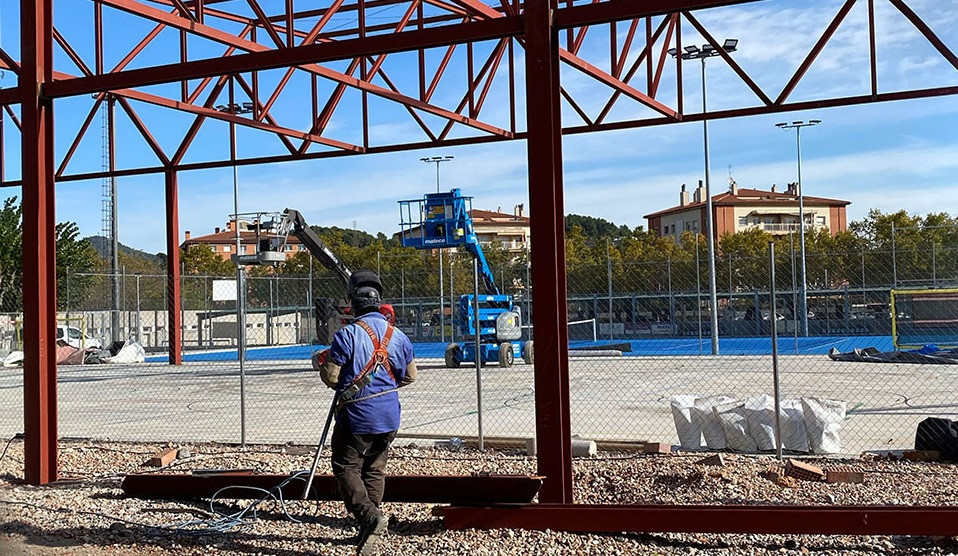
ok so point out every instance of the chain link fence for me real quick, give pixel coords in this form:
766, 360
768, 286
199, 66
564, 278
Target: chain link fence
641, 355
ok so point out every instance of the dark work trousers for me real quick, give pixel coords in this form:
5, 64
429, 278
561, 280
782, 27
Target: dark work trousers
359, 463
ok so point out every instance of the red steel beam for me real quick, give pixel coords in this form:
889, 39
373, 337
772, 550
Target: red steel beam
619, 10
261, 58
544, 147
9, 96
815, 51
39, 244
173, 318
461, 141
815, 520
925, 30
428, 489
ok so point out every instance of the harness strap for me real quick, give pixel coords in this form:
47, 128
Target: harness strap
379, 358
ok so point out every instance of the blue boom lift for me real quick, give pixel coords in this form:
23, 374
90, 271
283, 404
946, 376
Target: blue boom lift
441, 221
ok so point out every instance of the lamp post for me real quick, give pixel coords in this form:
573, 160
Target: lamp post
803, 286
695, 53
437, 160
235, 109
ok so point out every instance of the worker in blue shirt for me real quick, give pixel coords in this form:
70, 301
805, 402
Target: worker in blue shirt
368, 361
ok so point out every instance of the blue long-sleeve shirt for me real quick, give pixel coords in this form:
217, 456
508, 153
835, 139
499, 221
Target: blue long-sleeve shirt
351, 350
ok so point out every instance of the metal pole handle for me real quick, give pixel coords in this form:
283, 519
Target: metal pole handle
319, 448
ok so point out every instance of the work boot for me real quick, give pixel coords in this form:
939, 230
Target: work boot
370, 534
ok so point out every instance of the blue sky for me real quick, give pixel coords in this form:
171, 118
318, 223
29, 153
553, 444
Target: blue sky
889, 156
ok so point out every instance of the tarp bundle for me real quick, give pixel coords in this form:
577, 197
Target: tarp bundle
807, 424
118, 352
928, 355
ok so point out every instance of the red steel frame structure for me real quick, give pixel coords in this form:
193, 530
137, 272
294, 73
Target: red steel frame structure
301, 41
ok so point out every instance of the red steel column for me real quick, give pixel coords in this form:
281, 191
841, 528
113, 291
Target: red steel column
174, 320
547, 220
39, 245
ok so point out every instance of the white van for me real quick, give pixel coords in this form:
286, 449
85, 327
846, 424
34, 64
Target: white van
75, 337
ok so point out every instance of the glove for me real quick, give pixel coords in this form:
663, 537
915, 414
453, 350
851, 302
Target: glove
319, 359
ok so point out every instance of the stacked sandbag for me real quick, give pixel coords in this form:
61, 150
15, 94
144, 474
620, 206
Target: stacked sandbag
808, 425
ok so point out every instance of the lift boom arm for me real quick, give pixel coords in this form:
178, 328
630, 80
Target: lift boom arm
485, 272
294, 223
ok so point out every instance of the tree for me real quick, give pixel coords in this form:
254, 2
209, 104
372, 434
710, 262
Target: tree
200, 259
72, 253
74, 256
11, 252
595, 228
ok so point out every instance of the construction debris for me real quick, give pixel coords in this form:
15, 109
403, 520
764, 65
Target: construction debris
163, 458
715, 459
803, 471
921, 455
583, 448
657, 448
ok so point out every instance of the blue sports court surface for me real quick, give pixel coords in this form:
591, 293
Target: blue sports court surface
816, 345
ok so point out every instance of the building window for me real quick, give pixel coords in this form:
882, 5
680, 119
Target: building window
227, 248
743, 221
820, 220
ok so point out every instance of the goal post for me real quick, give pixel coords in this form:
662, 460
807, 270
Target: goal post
923, 317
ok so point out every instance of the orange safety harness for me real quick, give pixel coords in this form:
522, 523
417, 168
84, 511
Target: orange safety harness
379, 358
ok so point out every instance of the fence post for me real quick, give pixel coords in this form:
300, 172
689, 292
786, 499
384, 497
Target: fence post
478, 329
608, 258
894, 263
139, 340
773, 308
452, 298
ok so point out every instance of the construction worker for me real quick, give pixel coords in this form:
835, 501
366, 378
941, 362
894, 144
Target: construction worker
368, 361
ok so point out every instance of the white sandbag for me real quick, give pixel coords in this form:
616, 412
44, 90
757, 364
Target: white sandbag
794, 433
735, 426
708, 423
823, 419
760, 414
13, 359
688, 429
131, 352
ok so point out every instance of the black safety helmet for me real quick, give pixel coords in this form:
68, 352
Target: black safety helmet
364, 291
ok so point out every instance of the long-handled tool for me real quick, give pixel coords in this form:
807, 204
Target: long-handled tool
319, 448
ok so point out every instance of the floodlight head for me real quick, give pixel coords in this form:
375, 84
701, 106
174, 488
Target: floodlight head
222, 108
781, 124
673, 52
707, 48
248, 106
730, 45
798, 122
692, 49
814, 122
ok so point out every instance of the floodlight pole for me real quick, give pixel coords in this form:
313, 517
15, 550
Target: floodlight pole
803, 292
442, 318
234, 109
696, 53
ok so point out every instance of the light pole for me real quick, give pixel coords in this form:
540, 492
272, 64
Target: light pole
437, 160
235, 109
803, 291
695, 53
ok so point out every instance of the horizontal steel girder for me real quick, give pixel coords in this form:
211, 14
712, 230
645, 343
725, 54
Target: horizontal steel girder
431, 489
815, 520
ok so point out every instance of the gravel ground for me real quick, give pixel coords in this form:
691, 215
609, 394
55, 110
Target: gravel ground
87, 514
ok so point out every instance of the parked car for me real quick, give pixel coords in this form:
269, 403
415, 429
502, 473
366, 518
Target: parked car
76, 338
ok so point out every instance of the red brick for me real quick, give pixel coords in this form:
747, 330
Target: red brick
657, 448
804, 471
163, 458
